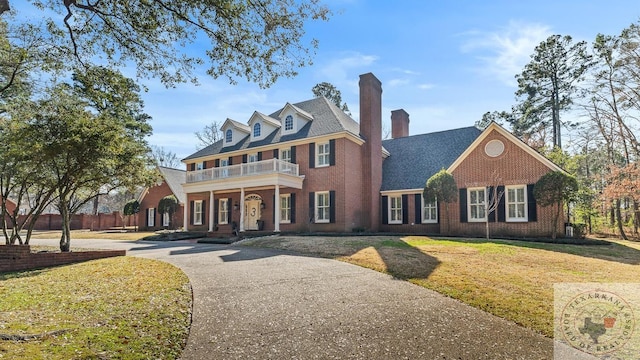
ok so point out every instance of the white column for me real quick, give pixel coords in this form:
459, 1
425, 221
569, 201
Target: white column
211, 210
277, 210
185, 215
241, 209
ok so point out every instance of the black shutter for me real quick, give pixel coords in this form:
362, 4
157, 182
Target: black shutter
193, 167
332, 206
312, 155
191, 212
418, 208
501, 204
385, 209
312, 207
146, 218
216, 211
216, 163
491, 216
293, 154
244, 158
204, 165
204, 213
229, 208
259, 155
155, 212
293, 208
405, 208
332, 152
532, 209
276, 154
463, 205
230, 161
438, 211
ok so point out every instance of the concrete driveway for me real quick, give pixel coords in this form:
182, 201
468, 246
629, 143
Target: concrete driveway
261, 304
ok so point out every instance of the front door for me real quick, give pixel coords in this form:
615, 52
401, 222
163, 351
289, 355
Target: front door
251, 214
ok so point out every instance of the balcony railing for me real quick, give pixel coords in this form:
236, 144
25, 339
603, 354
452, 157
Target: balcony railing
248, 169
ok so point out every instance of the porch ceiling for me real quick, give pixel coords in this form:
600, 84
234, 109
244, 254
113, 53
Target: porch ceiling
256, 181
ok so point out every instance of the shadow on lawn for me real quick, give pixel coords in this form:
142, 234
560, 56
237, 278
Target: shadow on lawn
597, 249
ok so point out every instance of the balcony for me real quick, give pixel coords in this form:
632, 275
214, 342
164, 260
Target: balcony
265, 167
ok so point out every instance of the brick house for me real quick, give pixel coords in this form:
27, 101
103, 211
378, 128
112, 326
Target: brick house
310, 167
171, 184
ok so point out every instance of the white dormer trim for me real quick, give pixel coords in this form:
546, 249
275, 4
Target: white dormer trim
299, 116
238, 130
267, 125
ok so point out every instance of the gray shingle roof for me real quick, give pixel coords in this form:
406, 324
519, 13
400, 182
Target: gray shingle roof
414, 159
327, 119
175, 178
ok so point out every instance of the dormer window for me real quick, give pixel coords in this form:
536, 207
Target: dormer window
256, 130
288, 123
228, 136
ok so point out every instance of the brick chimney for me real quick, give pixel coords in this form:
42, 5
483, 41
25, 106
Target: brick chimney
399, 124
371, 131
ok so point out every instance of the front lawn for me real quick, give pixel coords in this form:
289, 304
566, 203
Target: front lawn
508, 278
122, 307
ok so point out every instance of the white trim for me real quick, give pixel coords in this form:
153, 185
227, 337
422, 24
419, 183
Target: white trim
390, 209
223, 220
423, 203
326, 155
197, 216
151, 217
282, 219
403, 191
506, 204
328, 208
482, 205
166, 220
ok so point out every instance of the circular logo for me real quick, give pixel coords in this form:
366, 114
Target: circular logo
597, 322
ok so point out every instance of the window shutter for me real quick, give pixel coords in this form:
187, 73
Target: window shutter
244, 158
193, 167
155, 217
230, 160
204, 219
463, 205
216, 163
405, 208
332, 206
204, 165
276, 153
438, 211
502, 204
312, 207
216, 211
418, 208
293, 154
531, 204
491, 216
312, 155
146, 218
385, 209
192, 205
229, 209
332, 152
293, 208
259, 155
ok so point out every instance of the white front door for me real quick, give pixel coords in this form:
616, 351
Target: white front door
251, 214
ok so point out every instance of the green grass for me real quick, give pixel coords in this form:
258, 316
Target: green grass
111, 308
508, 278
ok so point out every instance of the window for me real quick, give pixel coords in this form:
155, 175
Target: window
288, 123
223, 164
285, 209
165, 219
252, 158
197, 212
322, 207
516, 203
256, 130
322, 155
200, 166
285, 155
151, 217
395, 209
223, 211
228, 136
429, 211
477, 205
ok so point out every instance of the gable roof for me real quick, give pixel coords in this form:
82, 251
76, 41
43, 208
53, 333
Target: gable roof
414, 159
327, 119
175, 178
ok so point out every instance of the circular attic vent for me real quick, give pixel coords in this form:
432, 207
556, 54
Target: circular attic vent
494, 148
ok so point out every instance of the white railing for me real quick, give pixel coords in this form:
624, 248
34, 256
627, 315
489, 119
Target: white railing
247, 169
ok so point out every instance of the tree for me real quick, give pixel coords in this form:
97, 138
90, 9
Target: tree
334, 95
209, 135
555, 188
441, 187
132, 207
168, 205
494, 195
258, 40
623, 184
164, 158
547, 84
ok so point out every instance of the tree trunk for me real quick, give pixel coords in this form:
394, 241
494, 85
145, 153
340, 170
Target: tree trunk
65, 238
556, 217
619, 221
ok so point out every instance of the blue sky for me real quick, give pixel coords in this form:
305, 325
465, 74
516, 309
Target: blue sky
445, 62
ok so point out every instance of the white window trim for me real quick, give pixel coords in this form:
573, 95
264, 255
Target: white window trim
257, 126
506, 204
293, 125
197, 215
317, 207
390, 209
469, 218
166, 221
282, 152
251, 158
200, 165
429, 221
151, 218
327, 154
228, 139
282, 218
223, 216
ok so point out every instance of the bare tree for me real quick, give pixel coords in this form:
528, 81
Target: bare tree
494, 195
209, 135
164, 157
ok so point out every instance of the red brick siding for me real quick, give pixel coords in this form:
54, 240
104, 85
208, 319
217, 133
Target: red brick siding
151, 200
19, 257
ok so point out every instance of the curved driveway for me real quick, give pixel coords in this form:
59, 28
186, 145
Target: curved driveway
262, 304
